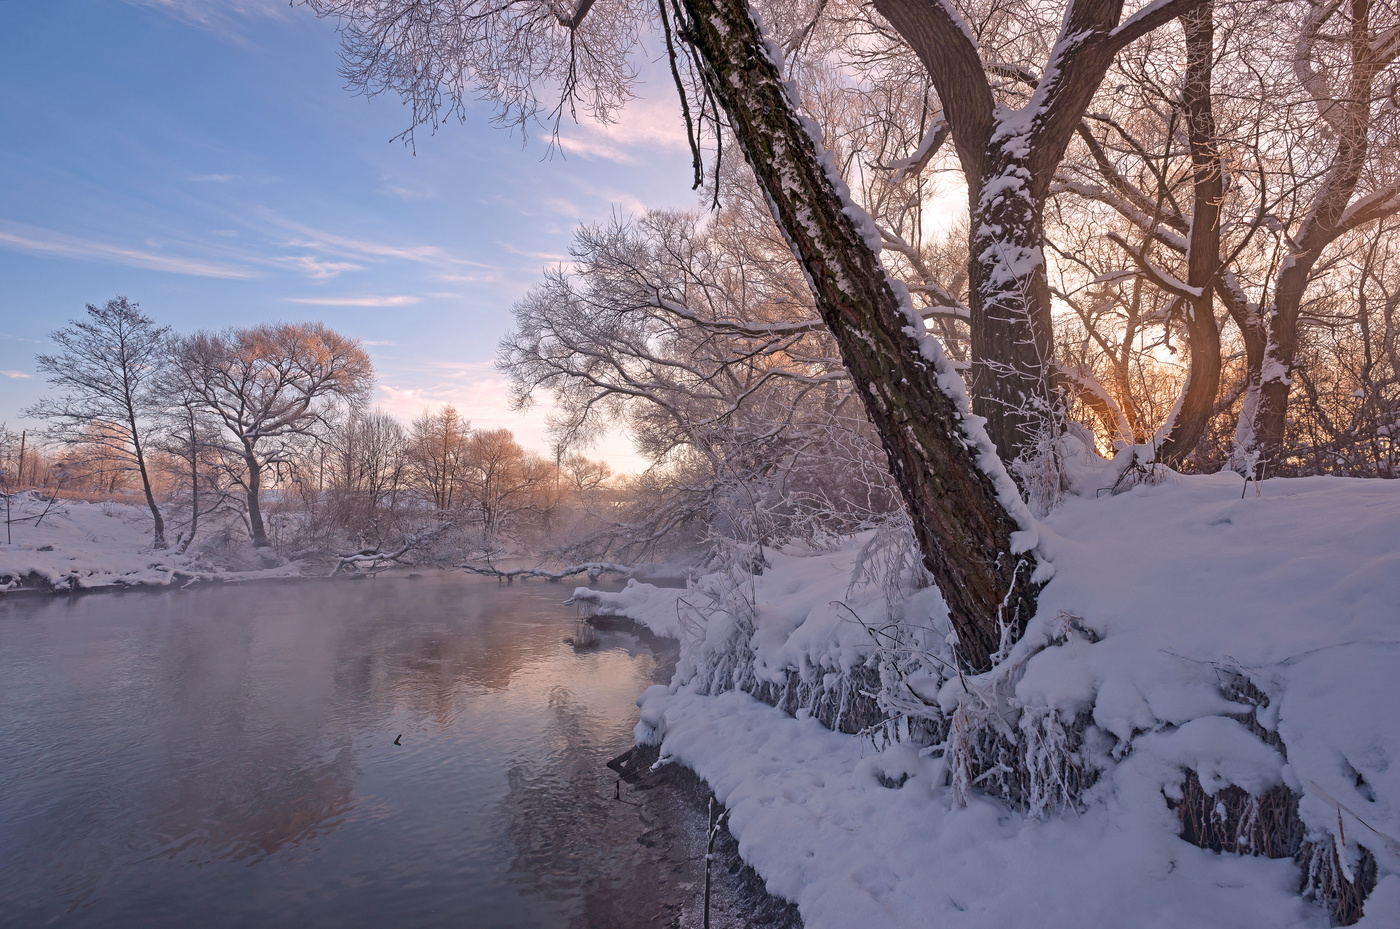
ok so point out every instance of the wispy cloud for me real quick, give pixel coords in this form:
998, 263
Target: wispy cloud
224, 18
643, 126
554, 257
15, 374
562, 207
317, 268
620, 199
212, 178
37, 241
323, 254
488, 279
304, 236
405, 192
396, 300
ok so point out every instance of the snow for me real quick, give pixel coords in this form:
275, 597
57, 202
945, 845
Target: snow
1163, 596
654, 607
812, 818
1150, 9
83, 546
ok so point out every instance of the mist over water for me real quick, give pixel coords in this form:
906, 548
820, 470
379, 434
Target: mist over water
225, 757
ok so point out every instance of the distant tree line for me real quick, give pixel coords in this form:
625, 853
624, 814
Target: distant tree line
265, 433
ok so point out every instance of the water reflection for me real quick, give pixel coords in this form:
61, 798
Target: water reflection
225, 757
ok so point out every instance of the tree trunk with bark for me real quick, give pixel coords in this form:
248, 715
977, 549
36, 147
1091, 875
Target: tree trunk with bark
255, 520
958, 496
156, 518
1008, 158
1197, 405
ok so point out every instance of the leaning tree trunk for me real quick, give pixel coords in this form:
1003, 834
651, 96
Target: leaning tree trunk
958, 495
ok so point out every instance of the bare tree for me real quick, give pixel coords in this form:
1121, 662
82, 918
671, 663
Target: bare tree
370, 465
105, 367
266, 386
501, 479
1152, 150
1344, 51
1009, 147
701, 337
190, 458
1345, 415
437, 447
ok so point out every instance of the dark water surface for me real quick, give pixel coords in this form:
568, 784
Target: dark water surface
225, 757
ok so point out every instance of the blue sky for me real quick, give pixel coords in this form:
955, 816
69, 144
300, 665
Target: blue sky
203, 158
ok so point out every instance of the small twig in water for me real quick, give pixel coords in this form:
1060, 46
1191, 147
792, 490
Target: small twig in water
715, 823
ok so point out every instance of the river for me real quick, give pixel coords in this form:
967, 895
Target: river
226, 756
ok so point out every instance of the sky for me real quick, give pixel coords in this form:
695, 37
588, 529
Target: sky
204, 159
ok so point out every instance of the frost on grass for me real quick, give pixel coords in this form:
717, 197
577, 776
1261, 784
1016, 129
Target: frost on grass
1196, 730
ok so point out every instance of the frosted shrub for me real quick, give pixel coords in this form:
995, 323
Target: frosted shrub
891, 561
1024, 755
717, 623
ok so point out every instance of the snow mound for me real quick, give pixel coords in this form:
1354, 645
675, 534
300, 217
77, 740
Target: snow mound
646, 604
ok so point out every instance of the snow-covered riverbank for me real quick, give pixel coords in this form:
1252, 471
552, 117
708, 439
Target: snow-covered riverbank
1253, 641
70, 545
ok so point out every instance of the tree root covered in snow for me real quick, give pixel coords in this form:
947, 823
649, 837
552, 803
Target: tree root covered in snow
1031, 761
848, 705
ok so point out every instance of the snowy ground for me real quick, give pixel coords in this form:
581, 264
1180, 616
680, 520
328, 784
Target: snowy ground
81, 546
1162, 597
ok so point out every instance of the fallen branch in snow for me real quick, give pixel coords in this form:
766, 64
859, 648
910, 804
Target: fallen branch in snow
376, 557
594, 570
372, 558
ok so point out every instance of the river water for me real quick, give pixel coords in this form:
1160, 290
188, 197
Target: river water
225, 757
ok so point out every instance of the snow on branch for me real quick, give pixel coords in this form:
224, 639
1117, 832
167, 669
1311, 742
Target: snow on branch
932, 141
1376, 205
377, 558
1154, 14
571, 17
1159, 278
371, 558
594, 570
